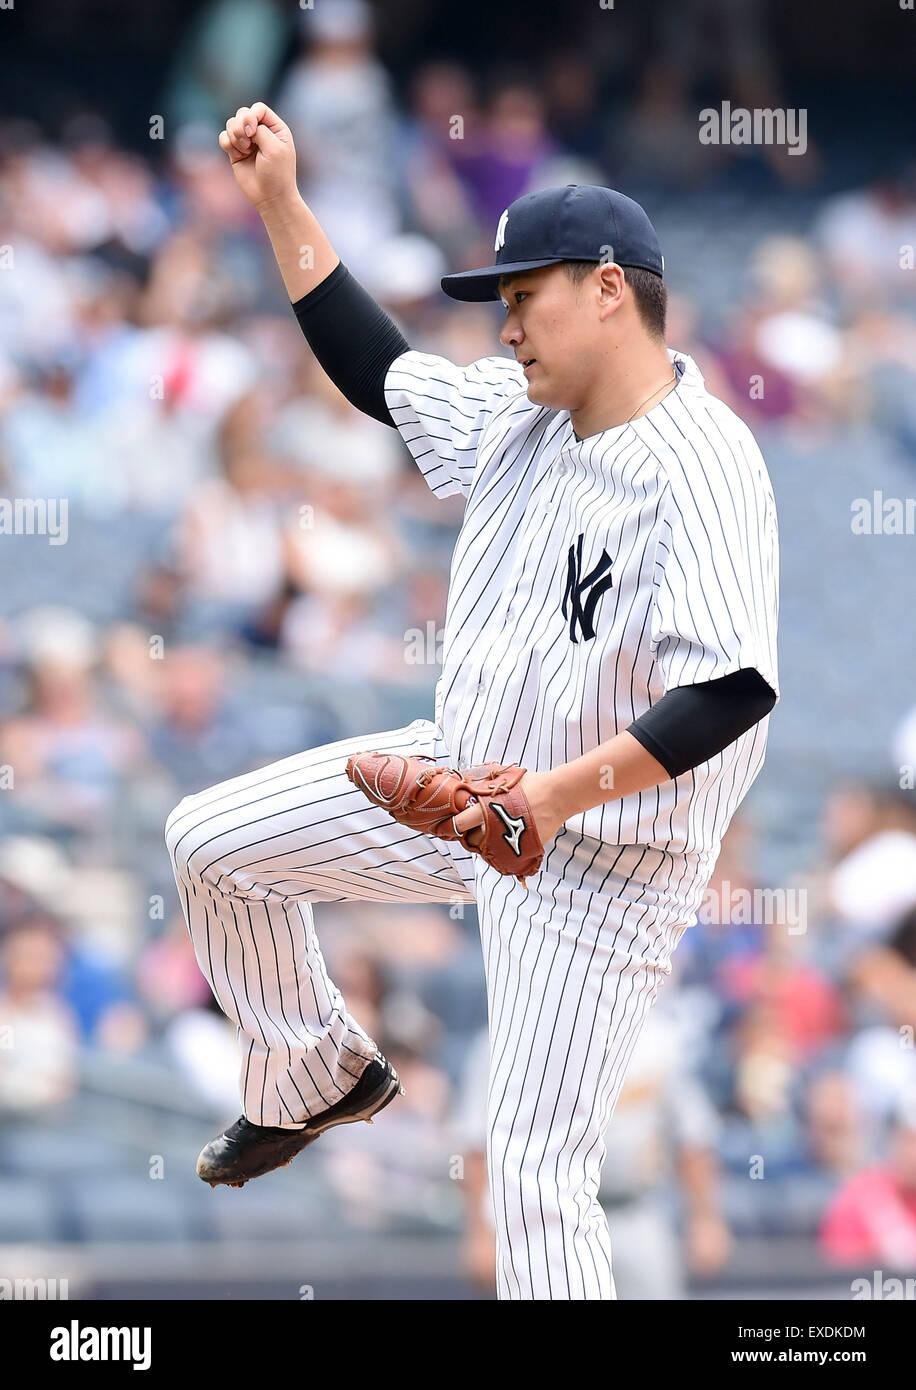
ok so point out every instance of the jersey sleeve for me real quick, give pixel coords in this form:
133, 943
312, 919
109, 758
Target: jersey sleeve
716, 597
441, 412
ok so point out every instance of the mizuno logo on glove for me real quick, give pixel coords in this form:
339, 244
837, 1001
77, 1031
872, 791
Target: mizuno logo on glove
420, 793
514, 827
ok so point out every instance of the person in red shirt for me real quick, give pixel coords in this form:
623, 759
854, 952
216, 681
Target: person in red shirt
873, 1216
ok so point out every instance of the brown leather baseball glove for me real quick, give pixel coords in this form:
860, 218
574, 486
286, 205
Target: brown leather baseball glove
417, 792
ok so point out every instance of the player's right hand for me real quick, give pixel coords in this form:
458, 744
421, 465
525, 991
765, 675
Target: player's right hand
262, 154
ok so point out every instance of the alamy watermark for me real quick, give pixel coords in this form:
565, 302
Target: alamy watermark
772, 907
423, 646
737, 125
78, 1342
884, 1288
883, 516
35, 516
34, 1290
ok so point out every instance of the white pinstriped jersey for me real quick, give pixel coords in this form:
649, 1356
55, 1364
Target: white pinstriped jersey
591, 576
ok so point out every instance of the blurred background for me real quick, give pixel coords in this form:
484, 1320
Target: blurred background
208, 561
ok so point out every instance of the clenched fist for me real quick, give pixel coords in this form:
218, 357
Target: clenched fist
261, 151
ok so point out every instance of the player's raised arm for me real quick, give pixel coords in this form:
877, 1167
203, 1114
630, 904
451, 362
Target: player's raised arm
263, 157
351, 336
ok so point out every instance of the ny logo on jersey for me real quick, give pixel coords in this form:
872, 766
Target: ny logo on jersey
578, 585
500, 241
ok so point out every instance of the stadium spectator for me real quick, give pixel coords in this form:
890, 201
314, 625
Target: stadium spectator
281, 563
230, 47
872, 1219
337, 101
39, 1042
69, 756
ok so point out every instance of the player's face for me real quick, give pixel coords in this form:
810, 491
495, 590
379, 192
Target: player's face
551, 333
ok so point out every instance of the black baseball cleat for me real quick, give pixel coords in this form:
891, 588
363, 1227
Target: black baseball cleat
246, 1151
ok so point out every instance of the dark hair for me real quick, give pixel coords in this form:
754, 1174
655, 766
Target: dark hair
903, 937
649, 291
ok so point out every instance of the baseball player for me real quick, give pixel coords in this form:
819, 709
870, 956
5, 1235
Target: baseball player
660, 1157
609, 663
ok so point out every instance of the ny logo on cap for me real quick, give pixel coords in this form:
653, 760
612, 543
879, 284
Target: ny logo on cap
500, 241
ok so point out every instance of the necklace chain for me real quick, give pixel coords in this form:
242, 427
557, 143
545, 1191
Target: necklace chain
672, 378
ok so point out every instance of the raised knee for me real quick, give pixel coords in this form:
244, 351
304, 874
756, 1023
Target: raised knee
196, 850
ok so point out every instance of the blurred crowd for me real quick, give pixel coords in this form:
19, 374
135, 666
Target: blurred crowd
252, 567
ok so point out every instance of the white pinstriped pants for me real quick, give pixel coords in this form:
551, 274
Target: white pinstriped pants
573, 961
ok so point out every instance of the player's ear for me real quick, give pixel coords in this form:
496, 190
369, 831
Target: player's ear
610, 287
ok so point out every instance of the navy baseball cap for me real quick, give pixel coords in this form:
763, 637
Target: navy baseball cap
580, 222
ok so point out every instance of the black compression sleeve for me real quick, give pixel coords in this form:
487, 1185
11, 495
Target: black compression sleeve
353, 338
694, 722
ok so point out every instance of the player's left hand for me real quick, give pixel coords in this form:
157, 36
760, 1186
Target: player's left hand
419, 793
548, 817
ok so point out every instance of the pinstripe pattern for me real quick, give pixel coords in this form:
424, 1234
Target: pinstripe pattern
572, 971
680, 503
572, 966
250, 858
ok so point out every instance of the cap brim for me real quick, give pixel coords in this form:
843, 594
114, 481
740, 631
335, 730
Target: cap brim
477, 286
